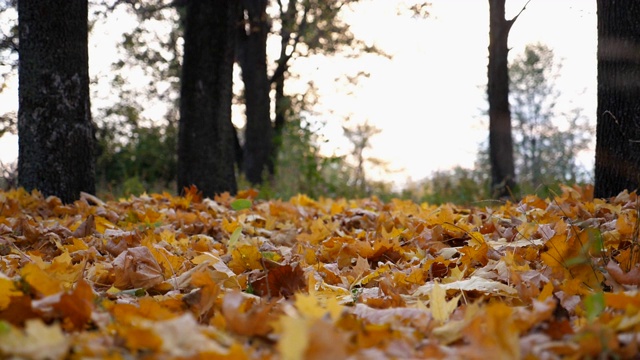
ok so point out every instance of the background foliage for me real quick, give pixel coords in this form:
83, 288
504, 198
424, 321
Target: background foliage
137, 151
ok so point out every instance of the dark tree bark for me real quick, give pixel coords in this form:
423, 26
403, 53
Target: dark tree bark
617, 164
56, 139
500, 138
283, 102
252, 57
205, 141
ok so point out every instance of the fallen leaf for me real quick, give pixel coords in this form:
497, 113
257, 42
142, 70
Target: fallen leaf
36, 341
474, 283
136, 268
440, 308
631, 277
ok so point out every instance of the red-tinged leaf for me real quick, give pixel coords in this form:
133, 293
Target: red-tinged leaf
76, 307
247, 194
278, 280
18, 311
192, 194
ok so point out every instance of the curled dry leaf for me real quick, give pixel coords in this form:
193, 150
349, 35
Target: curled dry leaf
246, 314
631, 277
136, 268
86, 228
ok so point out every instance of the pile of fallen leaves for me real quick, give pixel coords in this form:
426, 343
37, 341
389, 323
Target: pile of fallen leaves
165, 277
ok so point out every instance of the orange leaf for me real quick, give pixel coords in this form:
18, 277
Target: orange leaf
138, 339
246, 315
40, 280
77, 306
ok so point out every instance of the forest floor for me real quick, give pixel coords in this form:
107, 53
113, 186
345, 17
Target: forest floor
167, 277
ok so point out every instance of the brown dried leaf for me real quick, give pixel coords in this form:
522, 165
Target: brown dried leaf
278, 280
631, 277
246, 315
136, 268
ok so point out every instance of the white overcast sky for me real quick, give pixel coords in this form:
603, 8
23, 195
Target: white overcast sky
428, 98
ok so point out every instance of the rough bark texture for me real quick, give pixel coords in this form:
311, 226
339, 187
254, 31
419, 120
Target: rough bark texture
500, 139
56, 139
252, 57
205, 141
617, 164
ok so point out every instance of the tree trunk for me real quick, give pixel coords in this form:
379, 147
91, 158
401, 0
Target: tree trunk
282, 104
205, 141
617, 164
56, 139
500, 140
252, 57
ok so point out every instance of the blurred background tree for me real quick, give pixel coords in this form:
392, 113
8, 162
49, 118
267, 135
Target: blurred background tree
136, 117
547, 143
152, 49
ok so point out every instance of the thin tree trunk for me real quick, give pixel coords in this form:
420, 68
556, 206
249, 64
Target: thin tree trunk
500, 138
617, 164
282, 104
56, 139
205, 141
282, 101
252, 56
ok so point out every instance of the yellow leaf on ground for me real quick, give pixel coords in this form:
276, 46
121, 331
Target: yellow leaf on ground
7, 290
294, 338
40, 280
440, 308
37, 341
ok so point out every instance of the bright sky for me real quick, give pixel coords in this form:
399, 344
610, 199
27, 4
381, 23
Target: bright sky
428, 99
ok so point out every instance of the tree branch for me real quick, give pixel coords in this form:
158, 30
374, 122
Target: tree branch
284, 57
521, 10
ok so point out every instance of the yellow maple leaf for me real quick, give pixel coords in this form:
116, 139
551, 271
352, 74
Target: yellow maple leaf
441, 309
245, 257
294, 338
40, 280
7, 291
